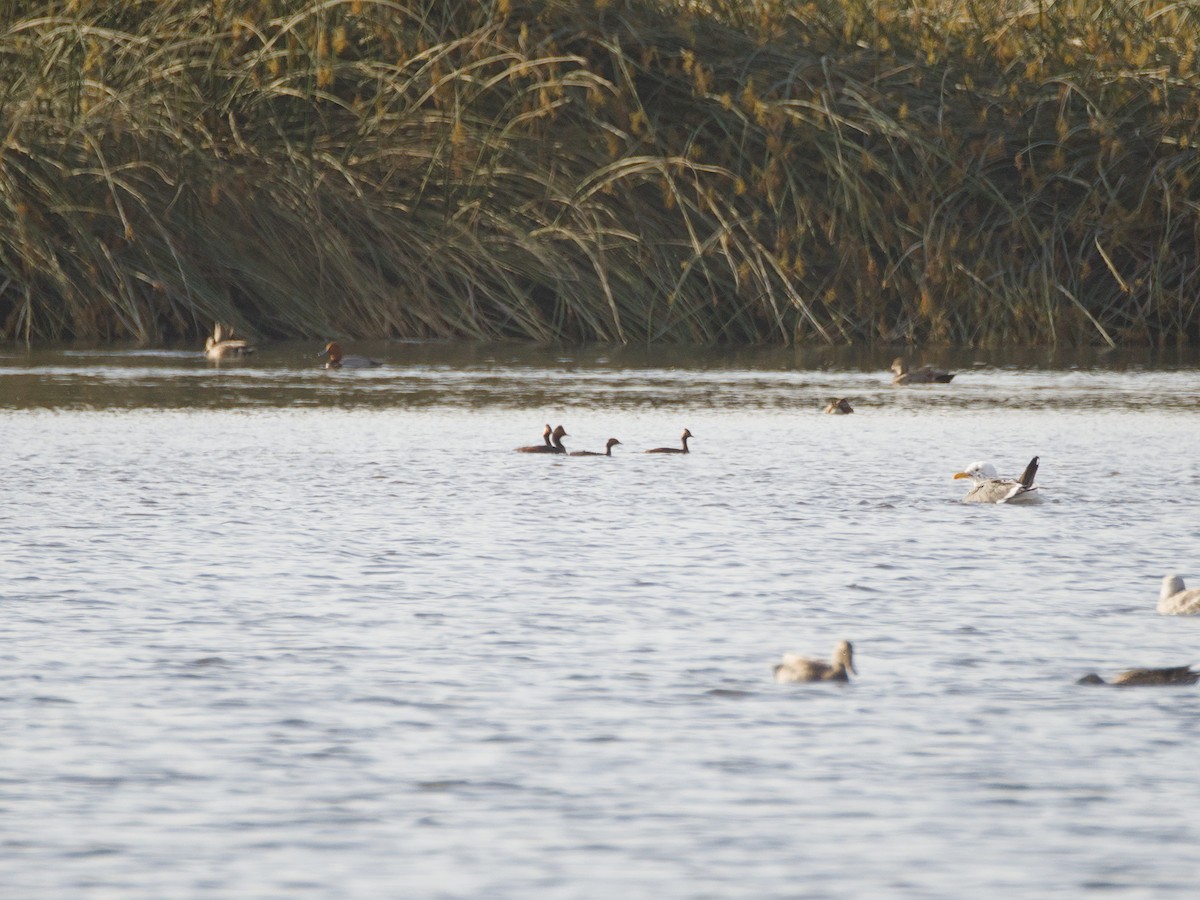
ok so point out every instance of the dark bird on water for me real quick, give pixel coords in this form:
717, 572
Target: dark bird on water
684, 449
923, 375
1138, 677
607, 449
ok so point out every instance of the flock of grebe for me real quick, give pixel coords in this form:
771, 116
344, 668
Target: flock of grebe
552, 443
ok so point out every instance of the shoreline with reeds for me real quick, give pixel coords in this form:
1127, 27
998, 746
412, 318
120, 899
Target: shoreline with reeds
624, 172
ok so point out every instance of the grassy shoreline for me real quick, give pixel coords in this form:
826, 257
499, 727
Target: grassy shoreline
775, 172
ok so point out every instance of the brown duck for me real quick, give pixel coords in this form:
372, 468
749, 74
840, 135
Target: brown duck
923, 375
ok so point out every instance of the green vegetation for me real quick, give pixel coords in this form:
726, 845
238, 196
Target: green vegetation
977, 173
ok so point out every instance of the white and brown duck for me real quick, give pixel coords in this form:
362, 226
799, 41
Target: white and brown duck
795, 669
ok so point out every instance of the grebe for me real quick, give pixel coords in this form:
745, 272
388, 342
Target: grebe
545, 447
555, 444
338, 360
686, 434
989, 487
1176, 600
797, 668
607, 450
839, 406
923, 375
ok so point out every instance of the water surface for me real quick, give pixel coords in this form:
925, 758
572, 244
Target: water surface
269, 630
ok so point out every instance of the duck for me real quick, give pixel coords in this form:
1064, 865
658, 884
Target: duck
223, 345
1145, 677
1176, 600
553, 445
338, 360
988, 487
839, 406
795, 668
545, 447
686, 434
612, 442
923, 375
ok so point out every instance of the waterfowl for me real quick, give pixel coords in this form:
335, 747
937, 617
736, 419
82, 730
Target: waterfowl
839, 406
798, 668
988, 487
923, 375
1176, 600
607, 450
686, 434
555, 445
1140, 677
223, 345
338, 360
545, 447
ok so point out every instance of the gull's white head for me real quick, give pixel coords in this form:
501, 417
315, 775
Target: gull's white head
978, 471
1171, 585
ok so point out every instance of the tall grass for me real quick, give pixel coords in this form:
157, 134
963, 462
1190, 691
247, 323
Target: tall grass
727, 171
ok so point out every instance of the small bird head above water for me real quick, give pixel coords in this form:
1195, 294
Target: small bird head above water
1172, 585
843, 654
611, 442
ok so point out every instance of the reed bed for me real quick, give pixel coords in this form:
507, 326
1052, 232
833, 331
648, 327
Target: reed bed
972, 173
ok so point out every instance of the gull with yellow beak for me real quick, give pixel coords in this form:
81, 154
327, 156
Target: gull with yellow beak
988, 487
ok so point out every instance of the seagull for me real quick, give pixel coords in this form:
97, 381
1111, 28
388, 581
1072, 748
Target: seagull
989, 487
1176, 600
798, 668
1140, 677
923, 375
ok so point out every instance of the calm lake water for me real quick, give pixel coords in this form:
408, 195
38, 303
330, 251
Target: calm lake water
271, 631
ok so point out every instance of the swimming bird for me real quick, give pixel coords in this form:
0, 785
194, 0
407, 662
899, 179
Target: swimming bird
988, 487
1176, 600
607, 450
923, 375
554, 446
338, 360
223, 345
839, 406
545, 447
1140, 677
686, 434
798, 668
